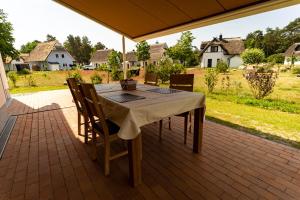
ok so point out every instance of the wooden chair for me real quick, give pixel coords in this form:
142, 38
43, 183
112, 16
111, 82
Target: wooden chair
101, 126
151, 79
81, 109
181, 82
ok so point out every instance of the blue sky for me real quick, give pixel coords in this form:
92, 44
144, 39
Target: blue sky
34, 19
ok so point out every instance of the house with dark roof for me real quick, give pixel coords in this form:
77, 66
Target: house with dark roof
226, 49
292, 51
100, 57
50, 56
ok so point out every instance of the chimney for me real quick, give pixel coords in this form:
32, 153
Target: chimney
221, 37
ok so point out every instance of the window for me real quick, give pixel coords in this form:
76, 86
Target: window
62, 55
56, 55
218, 60
154, 62
214, 48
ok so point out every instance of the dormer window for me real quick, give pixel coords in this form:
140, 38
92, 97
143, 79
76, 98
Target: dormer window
214, 48
297, 48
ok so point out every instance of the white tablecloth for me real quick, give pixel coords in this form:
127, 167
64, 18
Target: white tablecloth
131, 116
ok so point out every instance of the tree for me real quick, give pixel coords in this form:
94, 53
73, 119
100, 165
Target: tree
50, 38
254, 40
273, 41
253, 56
6, 37
114, 64
86, 50
142, 51
99, 46
29, 46
183, 49
80, 49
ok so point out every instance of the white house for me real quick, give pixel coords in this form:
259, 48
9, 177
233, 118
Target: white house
226, 49
292, 51
50, 56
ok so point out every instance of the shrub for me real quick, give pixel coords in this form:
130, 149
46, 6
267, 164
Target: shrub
211, 79
24, 71
75, 75
226, 83
253, 56
13, 77
276, 59
222, 66
31, 81
296, 70
151, 68
116, 74
96, 78
261, 82
167, 68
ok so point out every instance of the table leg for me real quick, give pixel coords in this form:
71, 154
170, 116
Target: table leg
198, 129
134, 157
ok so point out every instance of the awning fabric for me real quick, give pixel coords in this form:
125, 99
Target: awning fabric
145, 19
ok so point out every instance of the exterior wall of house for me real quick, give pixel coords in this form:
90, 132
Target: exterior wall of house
235, 61
287, 61
63, 58
214, 56
3, 95
96, 64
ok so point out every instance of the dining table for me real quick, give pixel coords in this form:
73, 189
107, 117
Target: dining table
132, 109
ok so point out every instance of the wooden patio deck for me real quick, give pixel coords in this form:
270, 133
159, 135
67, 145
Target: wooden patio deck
45, 159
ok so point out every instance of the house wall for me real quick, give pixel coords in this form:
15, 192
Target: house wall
214, 56
96, 64
288, 62
3, 95
67, 60
235, 61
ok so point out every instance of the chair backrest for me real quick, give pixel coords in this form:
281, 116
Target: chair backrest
77, 97
94, 107
151, 79
182, 82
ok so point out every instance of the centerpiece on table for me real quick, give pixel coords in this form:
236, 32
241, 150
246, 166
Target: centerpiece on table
128, 84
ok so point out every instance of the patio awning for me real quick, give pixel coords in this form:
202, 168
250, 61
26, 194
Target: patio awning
146, 19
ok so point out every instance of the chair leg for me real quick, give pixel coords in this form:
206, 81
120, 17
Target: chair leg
190, 117
170, 123
106, 158
94, 145
160, 128
79, 123
185, 127
86, 126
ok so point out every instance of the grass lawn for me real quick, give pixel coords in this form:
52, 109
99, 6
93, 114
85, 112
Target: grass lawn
277, 117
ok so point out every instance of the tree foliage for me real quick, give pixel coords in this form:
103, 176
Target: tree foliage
50, 38
79, 48
275, 40
6, 37
276, 59
99, 46
253, 56
29, 46
142, 51
183, 49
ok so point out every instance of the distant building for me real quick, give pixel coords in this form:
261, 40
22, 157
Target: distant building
131, 59
100, 57
50, 56
293, 50
157, 52
16, 64
226, 49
